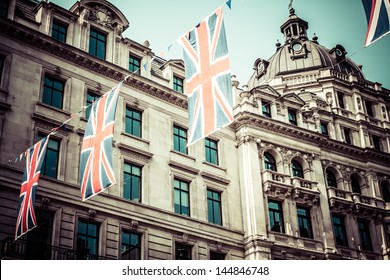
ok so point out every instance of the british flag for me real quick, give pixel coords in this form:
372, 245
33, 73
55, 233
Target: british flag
26, 219
208, 80
378, 19
96, 172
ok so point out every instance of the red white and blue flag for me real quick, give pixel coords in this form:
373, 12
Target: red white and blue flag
208, 79
96, 171
26, 219
378, 19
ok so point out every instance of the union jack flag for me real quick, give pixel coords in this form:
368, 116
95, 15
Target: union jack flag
26, 219
208, 80
96, 172
378, 19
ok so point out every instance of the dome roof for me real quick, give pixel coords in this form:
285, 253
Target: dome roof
299, 54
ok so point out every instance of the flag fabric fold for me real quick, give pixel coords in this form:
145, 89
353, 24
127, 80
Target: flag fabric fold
96, 170
378, 19
208, 78
26, 219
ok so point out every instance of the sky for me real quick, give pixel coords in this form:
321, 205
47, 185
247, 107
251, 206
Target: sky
253, 28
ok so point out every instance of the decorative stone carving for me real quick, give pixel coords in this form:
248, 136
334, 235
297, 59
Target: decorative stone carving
91, 214
102, 16
133, 225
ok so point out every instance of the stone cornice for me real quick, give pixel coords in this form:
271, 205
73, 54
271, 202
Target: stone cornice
84, 60
314, 138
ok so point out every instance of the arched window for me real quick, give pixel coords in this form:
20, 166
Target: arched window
385, 188
355, 185
297, 170
269, 162
331, 179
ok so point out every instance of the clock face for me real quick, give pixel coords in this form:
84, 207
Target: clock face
339, 52
297, 47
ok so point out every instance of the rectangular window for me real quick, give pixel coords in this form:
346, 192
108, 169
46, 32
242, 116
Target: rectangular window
50, 162
133, 122
97, 44
87, 240
180, 139
2, 60
275, 210
214, 209
339, 230
217, 256
181, 197
324, 128
91, 98
340, 98
53, 92
177, 84
38, 243
304, 222
131, 246
376, 142
183, 252
266, 109
369, 108
292, 117
347, 136
365, 237
3, 8
58, 31
132, 182
135, 64
211, 151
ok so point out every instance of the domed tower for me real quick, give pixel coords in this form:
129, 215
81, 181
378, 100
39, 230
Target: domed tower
300, 55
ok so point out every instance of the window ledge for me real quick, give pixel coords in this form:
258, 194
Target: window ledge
39, 103
184, 155
215, 166
135, 137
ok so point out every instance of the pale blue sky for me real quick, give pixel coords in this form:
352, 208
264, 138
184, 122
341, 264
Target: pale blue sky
253, 26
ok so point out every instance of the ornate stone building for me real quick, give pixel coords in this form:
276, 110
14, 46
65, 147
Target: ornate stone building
302, 172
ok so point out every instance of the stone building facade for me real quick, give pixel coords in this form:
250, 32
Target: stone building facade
301, 173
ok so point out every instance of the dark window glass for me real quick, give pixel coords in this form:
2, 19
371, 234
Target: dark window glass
131, 246
2, 60
304, 222
38, 244
180, 139
58, 31
324, 128
340, 98
365, 237
292, 117
132, 182
339, 230
50, 162
97, 44
214, 207
297, 170
181, 197
211, 151
369, 110
135, 64
133, 122
276, 222
331, 179
217, 256
53, 92
183, 252
87, 240
269, 162
376, 142
91, 98
355, 185
3, 8
177, 84
266, 109
347, 136
385, 188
